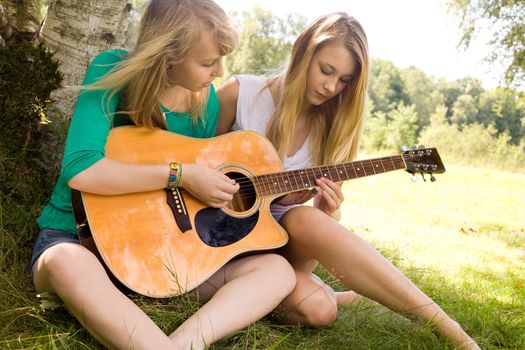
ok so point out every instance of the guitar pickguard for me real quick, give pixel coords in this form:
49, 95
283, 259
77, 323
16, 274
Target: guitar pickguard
217, 229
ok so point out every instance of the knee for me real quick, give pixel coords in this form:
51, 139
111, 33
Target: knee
62, 264
322, 310
281, 272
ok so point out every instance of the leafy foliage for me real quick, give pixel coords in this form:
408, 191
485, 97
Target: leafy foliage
475, 143
506, 22
28, 74
470, 116
266, 41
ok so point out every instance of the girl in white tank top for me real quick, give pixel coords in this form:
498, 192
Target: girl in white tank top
320, 101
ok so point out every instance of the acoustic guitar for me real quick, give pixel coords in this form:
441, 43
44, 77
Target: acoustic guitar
165, 243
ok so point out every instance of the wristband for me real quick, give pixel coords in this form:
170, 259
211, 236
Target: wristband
175, 175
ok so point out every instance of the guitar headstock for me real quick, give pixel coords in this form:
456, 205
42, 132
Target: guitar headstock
423, 160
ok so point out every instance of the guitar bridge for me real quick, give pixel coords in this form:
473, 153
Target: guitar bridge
178, 207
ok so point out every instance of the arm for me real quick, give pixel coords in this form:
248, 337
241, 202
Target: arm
86, 168
228, 94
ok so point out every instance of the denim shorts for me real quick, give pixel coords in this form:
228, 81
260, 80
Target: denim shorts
48, 238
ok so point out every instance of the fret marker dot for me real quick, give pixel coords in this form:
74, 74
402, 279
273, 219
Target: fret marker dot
358, 169
325, 175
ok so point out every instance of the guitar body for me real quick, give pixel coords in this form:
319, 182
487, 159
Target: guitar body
137, 234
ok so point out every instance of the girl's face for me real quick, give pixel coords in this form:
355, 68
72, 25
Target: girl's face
331, 69
202, 65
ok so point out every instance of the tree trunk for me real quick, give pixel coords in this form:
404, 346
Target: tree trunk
77, 30
19, 20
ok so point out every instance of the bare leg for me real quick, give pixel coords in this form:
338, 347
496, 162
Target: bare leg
311, 303
347, 297
78, 278
315, 236
242, 292
247, 289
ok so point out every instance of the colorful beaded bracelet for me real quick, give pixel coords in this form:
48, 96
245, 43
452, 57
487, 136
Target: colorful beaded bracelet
175, 175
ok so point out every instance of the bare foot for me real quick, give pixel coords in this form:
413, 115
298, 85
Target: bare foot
347, 297
469, 345
453, 331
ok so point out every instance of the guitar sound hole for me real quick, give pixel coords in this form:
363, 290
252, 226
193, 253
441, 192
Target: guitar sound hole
245, 198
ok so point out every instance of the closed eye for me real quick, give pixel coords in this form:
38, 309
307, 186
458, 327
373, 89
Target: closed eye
325, 70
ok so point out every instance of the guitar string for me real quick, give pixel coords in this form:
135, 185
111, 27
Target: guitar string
266, 182
271, 178
272, 181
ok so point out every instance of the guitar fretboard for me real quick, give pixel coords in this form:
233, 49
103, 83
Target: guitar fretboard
295, 180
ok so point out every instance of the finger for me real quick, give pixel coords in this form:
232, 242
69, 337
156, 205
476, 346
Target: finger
329, 183
225, 178
223, 197
326, 188
228, 187
331, 204
336, 188
339, 192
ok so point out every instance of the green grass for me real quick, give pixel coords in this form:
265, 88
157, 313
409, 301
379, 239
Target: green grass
461, 239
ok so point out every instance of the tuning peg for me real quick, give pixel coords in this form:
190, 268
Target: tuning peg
421, 146
423, 177
432, 178
414, 178
404, 148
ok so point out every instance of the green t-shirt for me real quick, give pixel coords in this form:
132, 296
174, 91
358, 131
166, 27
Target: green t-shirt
88, 133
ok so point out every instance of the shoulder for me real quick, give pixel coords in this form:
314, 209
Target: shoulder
228, 91
103, 63
110, 57
249, 81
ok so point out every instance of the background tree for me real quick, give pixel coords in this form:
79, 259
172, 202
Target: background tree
422, 93
20, 19
265, 41
387, 87
506, 22
464, 111
503, 109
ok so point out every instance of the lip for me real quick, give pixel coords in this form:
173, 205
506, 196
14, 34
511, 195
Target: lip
321, 95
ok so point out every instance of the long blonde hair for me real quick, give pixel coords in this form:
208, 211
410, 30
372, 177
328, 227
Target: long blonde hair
168, 29
337, 123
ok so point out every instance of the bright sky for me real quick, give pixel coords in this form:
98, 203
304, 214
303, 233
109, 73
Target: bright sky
416, 33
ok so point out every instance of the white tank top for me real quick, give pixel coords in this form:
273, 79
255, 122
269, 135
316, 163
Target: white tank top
255, 106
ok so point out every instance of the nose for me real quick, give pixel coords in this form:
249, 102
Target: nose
219, 69
330, 85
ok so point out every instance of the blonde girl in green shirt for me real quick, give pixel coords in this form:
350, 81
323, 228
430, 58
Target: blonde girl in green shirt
165, 82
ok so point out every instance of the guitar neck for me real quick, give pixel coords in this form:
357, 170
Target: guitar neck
300, 179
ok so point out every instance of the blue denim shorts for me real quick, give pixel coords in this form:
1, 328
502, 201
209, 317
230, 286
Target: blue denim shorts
48, 238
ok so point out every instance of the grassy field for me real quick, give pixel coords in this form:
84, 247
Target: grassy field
461, 239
